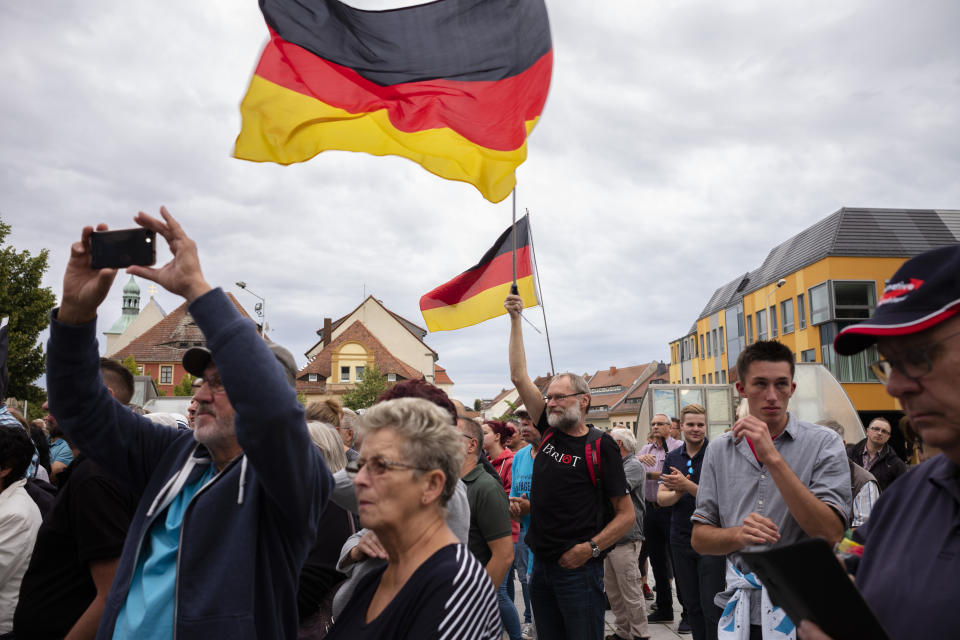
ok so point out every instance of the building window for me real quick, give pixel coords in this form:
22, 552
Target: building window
360, 373
786, 315
723, 376
802, 311
709, 347
749, 329
709, 378
762, 324
166, 374
391, 377
702, 352
819, 304
344, 374
810, 355
723, 348
713, 335
311, 377
140, 369
853, 300
773, 321
703, 379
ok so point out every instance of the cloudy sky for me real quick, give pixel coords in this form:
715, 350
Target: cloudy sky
680, 142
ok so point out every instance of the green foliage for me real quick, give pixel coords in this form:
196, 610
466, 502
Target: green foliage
28, 305
160, 391
366, 392
509, 414
477, 404
185, 386
131, 364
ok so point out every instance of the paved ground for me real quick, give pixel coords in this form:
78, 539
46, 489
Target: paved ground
657, 631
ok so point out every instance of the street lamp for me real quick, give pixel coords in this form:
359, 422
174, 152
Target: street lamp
259, 308
766, 304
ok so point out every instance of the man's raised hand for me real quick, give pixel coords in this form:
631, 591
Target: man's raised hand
513, 304
182, 275
83, 288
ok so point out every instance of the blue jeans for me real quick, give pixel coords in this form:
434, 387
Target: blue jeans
508, 610
521, 553
567, 603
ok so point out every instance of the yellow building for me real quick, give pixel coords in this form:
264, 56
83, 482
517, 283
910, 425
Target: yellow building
370, 334
808, 288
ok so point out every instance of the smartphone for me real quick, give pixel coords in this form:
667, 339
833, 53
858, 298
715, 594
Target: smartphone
116, 249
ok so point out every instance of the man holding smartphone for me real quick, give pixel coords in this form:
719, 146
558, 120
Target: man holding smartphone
229, 510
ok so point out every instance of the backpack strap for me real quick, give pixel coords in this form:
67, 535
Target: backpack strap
592, 456
546, 437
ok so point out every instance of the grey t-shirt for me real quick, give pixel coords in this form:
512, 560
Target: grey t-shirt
733, 485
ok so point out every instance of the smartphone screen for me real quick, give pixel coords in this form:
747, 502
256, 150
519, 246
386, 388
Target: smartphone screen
117, 249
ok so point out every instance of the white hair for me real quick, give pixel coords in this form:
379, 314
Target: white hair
626, 438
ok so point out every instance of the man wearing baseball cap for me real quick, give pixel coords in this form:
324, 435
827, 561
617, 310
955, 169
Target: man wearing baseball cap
228, 510
911, 556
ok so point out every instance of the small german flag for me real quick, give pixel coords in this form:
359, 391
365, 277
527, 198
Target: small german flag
454, 85
478, 293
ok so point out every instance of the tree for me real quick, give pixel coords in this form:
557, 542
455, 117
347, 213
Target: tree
131, 364
185, 386
477, 404
509, 415
28, 305
367, 391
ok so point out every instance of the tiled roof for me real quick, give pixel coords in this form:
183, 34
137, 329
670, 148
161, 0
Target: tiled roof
357, 332
167, 340
851, 232
613, 376
500, 396
636, 391
440, 375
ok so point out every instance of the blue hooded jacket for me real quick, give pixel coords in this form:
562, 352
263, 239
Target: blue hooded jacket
246, 533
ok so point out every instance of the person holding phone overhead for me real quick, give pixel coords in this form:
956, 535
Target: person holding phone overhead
229, 510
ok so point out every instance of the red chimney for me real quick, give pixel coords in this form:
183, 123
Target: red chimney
327, 330
613, 371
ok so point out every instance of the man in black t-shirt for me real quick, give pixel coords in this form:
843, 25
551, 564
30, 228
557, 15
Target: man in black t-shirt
579, 504
79, 543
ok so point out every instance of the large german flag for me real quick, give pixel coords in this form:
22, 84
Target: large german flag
454, 85
477, 294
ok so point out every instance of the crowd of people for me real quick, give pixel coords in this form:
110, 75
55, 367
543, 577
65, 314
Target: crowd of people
254, 517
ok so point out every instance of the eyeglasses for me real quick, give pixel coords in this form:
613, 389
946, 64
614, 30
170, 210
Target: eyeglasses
878, 430
214, 382
557, 397
660, 424
914, 364
377, 466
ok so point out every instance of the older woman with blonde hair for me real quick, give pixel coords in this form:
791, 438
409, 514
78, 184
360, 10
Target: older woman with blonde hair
431, 586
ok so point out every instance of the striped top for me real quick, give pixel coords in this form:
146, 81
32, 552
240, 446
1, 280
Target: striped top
449, 597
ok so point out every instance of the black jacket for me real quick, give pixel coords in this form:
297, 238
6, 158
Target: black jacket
886, 469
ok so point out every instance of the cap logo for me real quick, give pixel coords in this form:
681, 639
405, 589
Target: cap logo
898, 291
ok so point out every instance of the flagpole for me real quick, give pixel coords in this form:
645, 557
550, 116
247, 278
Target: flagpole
536, 268
513, 288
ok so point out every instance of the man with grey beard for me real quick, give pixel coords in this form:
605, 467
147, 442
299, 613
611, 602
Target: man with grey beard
579, 504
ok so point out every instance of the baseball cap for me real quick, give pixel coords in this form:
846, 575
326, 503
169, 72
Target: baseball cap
923, 292
197, 359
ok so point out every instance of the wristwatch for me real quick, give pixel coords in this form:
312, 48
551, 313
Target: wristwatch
595, 549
